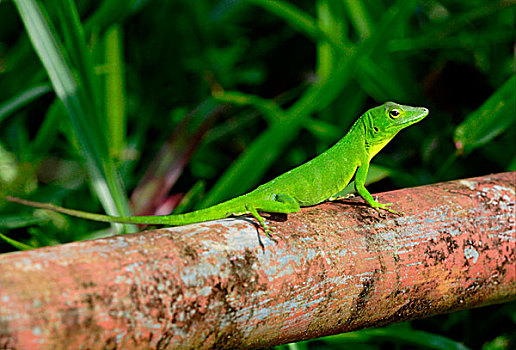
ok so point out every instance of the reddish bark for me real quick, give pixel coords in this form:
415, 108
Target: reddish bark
334, 268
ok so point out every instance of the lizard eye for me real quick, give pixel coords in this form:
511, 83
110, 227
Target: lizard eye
394, 113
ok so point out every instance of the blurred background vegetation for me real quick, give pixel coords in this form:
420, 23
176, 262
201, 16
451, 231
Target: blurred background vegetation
149, 107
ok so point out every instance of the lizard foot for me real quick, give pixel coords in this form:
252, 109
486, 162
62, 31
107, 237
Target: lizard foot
268, 231
385, 206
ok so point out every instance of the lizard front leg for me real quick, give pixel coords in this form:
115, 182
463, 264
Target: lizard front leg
360, 179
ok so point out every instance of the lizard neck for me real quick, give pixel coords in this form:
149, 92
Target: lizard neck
374, 139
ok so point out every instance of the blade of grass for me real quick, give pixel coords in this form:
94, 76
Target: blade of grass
359, 17
384, 79
512, 165
324, 50
486, 9
330, 18
108, 12
48, 130
16, 244
439, 36
489, 120
191, 197
463, 40
83, 66
300, 21
20, 220
114, 91
381, 84
272, 112
78, 105
269, 109
22, 99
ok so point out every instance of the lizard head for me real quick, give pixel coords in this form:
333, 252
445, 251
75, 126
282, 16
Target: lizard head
385, 121
391, 117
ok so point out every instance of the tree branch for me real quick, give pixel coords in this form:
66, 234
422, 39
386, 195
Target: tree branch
333, 268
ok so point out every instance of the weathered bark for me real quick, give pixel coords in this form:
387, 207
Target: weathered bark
334, 268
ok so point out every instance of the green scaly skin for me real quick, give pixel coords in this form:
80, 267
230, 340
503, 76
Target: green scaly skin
316, 181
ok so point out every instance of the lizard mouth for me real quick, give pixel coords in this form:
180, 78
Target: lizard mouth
423, 112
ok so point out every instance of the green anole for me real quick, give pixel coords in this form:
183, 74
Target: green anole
311, 183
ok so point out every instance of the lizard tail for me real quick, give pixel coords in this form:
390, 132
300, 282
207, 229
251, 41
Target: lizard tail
218, 211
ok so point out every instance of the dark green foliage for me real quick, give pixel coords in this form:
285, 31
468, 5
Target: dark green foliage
97, 101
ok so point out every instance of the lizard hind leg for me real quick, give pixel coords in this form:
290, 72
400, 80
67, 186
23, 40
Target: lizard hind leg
282, 203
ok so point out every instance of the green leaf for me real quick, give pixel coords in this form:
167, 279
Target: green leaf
489, 120
16, 244
22, 99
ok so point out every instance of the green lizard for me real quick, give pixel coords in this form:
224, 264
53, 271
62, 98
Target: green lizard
311, 183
